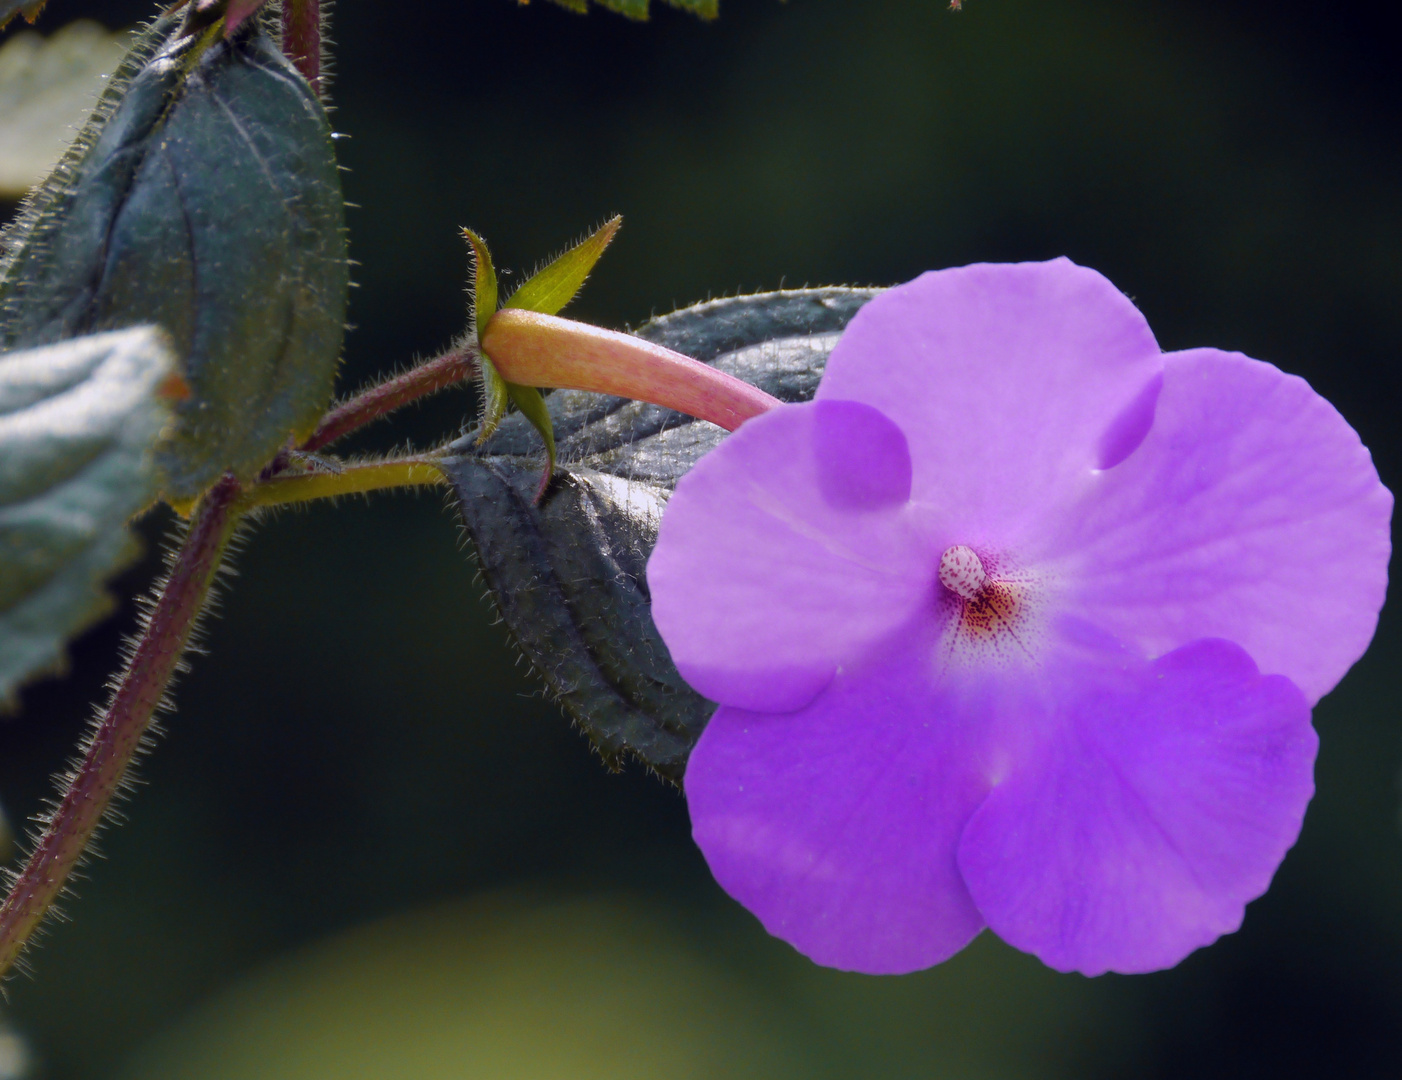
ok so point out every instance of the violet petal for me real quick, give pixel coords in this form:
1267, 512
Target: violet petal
837, 825
1004, 378
1137, 828
1251, 512
777, 560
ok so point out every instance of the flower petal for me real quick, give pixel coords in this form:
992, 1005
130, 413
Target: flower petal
1250, 512
785, 551
1141, 825
1006, 379
837, 825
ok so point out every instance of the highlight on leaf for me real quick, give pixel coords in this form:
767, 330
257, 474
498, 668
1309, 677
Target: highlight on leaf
552, 287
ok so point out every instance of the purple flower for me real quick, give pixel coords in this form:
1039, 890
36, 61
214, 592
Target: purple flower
1018, 624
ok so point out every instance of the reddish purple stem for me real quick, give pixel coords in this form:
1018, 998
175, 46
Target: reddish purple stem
117, 733
438, 374
301, 38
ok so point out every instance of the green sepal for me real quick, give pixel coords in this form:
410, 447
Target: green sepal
484, 283
79, 426
484, 306
531, 404
551, 288
568, 572
496, 392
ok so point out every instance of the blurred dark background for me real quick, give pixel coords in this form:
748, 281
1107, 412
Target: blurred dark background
360, 741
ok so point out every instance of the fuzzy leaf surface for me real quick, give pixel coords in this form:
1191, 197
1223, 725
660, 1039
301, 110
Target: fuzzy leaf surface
203, 196
567, 574
79, 423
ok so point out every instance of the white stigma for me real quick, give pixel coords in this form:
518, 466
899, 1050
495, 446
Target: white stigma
961, 572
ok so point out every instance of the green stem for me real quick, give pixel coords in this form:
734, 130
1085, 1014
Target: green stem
352, 480
118, 731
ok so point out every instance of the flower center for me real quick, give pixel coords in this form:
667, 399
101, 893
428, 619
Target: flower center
992, 609
962, 572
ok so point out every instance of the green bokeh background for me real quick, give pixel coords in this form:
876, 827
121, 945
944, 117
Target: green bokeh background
361, 745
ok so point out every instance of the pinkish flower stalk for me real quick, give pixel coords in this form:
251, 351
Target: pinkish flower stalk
301, 38
543, 350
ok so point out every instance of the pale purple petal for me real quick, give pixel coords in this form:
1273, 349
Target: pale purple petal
837, 825
1009, 381
785, 552
1250, 512
1136, 829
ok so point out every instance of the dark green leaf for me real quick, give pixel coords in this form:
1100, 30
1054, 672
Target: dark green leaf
203, 196
568, 574
79, 423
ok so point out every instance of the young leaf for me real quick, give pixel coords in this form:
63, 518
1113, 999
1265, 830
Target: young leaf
705, 9
550, 289
631, 9
78, 426
638, 9
202, 196
567, 571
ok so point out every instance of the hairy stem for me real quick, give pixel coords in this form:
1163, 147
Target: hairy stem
301, 38
438, 374
545, 350
352, 480
118, 731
